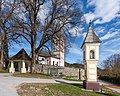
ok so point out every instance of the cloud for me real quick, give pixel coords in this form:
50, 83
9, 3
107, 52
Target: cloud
100, 29
105, 10
89, 16
109, 35
117, 23
90, 2
75, 50
76, 31
112, 41
112, 51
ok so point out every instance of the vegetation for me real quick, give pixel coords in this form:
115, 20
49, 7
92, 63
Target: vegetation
111, 72
75, 65
71, 78
40, 22
7, 31
58, 90
3, 71
28, 75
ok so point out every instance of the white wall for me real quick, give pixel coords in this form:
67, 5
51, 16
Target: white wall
56, 61
41, 60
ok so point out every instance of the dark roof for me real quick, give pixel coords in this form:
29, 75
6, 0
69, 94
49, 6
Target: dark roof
21, 55
46, 54
91, 36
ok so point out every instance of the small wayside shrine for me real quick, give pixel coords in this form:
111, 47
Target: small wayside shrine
90, 49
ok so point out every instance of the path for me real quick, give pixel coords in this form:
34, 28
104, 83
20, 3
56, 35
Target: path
68, 82
111, 86
9, 83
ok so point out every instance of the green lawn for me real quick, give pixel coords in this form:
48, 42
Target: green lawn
70, 90
71, 78
58, 90
35, 75
3, 71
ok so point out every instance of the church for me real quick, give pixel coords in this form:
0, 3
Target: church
21, 61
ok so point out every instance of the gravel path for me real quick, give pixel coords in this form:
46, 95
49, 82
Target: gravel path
9, 83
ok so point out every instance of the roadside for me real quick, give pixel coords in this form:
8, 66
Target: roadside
114, 87
9, 83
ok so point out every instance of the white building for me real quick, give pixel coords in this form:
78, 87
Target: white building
57, 58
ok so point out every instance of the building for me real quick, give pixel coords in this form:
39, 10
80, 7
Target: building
90, 49
57, 56
20, 62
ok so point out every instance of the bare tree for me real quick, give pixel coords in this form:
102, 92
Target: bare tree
7, 31
112, 65
59, 17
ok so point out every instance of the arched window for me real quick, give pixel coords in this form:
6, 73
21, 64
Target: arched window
92, 54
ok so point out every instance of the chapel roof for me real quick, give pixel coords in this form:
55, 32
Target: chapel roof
21, 55
91, 36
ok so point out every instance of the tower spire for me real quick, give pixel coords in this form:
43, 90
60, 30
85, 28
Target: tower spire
90, 23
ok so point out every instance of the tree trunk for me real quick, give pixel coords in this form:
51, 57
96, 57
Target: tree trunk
1, 63
33, 59
5, 48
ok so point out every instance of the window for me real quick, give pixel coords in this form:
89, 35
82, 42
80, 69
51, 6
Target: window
92, 54
57, 64
43, 59
83, 55
53, 63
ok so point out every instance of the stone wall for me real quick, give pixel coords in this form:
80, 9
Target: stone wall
57, 70
71, 71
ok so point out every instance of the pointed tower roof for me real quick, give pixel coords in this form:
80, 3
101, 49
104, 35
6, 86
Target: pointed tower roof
91, 36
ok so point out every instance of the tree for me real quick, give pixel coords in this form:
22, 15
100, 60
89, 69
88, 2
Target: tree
111, 71
112, 65
7, 31
38, 30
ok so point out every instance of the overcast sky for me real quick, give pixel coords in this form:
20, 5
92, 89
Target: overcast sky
105, 16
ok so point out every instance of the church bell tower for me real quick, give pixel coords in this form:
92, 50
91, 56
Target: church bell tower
90, 49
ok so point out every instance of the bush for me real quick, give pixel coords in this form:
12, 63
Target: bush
110, 79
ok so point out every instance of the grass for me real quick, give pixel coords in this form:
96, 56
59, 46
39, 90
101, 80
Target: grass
3, 71
58, 90
71, 78
35, 75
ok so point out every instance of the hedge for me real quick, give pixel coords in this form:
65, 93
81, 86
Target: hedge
114, 79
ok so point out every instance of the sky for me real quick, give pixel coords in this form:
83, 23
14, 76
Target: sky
105, 16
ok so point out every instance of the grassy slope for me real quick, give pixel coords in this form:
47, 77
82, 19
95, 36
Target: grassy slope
70, 90
58, 90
